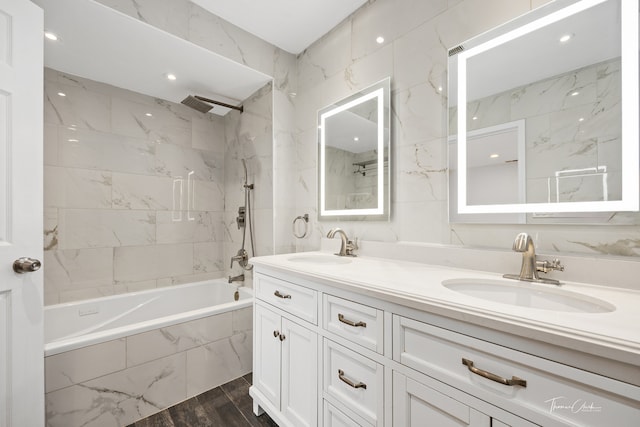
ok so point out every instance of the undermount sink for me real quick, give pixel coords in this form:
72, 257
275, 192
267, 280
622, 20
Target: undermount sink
320, 259
531, 295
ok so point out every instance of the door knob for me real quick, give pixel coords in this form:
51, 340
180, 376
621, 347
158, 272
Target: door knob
26, 265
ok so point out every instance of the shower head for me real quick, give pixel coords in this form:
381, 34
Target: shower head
196, 104
244, 165
203, 104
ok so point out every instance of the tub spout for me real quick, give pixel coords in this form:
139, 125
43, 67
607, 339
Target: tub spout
239, 278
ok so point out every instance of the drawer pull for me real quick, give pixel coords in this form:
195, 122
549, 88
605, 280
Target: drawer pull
351, 322
279, 295
493, 377
349, 382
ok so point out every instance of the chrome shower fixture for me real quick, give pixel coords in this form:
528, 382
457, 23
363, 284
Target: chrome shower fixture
202, 104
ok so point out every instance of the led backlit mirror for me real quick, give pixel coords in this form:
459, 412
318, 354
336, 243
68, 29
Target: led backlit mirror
543, 113
353, 165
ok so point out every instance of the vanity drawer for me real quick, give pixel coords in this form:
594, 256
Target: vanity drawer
355, 381
333, 417
558, 392
358, 323
297, 300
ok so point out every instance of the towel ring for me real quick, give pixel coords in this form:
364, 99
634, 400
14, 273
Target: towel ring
304, 218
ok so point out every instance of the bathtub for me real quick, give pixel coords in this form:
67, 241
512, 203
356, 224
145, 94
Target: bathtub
113, 360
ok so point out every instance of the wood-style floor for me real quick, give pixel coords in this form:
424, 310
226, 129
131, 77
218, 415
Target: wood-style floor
226, 406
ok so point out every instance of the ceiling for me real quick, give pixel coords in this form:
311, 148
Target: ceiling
292, 25
130, 57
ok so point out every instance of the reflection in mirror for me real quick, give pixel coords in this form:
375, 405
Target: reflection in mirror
571, 88
354, 156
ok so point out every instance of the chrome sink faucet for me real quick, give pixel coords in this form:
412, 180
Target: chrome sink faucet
530, 267
347, 246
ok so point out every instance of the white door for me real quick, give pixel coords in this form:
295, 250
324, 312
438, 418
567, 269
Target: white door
21, 110
299, 374
267, 352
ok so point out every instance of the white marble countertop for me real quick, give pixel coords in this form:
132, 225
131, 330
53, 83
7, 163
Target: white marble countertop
614, 335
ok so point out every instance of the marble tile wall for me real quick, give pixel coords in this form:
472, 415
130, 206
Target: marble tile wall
249, 137
134, 191
137, 201
195, 24
118, 382
417, 35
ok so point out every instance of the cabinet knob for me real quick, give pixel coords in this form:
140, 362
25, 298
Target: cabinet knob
276, 334
282, 337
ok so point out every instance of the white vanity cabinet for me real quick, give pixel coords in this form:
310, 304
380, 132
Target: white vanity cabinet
285, 358
330, 355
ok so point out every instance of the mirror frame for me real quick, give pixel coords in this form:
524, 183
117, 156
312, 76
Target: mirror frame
382, 92
532, 21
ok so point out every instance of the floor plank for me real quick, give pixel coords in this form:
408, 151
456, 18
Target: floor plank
226, 406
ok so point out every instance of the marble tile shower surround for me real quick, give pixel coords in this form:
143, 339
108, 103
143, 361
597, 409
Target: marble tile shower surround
136, 201
118, 382
195, 24
417, 35
249, 136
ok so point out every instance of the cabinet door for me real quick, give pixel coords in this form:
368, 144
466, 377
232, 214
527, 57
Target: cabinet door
299, 374
267, 351
415, 404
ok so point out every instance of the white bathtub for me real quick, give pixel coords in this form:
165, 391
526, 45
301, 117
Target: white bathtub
74, 325
114, 360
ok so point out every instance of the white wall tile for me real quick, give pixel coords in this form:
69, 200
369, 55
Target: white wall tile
136, 263
76, 188
92, 228
173, 339
83, 364
218, 363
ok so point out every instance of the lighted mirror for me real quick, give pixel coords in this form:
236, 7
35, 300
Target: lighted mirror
543, 114
353, 158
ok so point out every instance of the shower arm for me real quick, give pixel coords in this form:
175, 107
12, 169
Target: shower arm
222, 104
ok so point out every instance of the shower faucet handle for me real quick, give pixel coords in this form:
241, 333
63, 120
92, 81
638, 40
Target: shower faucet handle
242, 257
240, 219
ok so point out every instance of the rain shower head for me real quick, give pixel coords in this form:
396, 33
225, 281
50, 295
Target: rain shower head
196, 104
203, 104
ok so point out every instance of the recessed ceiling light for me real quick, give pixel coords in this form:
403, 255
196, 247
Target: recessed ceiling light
148, 114
72, 140
474, 118
356, 139
62, 94
581, 119
565, 38
171, 76
576, 93
494, 156
380, 40
50, 35
439, 88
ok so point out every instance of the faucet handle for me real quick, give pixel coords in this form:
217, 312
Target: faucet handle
352, 245
549, 265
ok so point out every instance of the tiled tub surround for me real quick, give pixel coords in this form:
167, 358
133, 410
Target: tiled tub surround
126, 376
135, 188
